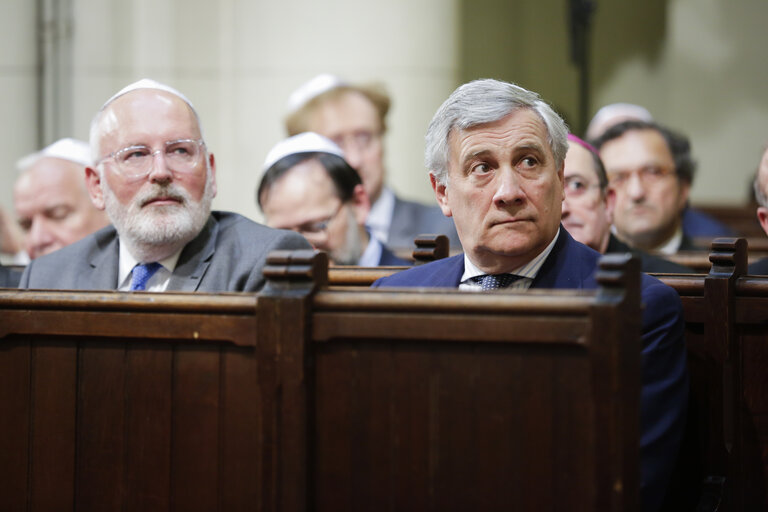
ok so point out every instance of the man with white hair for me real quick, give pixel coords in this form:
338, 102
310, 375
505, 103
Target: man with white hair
155, 178
52, 204
495, 154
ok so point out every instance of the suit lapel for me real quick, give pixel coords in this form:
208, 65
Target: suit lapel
103, 261
569, 265
195, 259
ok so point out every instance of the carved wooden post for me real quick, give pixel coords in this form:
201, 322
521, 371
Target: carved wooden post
729, 262
283, 326
430, 248
619, 280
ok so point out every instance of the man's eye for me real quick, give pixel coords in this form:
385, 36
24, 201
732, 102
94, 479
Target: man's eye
25, 224
133, 154
529, 162
480, 169
575, 184
59, 212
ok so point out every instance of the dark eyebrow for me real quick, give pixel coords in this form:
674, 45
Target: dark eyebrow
531, 147
472, 156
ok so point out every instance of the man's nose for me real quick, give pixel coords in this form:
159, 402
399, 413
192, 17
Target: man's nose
508, 190
159, 171
353, 156
39, 237
635, 187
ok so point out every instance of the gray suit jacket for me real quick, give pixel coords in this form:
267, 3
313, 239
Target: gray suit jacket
227, 255
410, 219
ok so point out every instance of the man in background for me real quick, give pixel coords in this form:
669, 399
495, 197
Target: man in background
153, 174
52, 205
696, 224
761, 196
651, 169
589, 204
354, 117
308, 187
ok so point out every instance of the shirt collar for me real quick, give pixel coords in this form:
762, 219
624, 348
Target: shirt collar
380, 217
527, 271
372, 254
673, 244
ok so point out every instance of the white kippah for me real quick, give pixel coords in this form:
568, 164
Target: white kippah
147, 83
67, 149
307, 142
312, 89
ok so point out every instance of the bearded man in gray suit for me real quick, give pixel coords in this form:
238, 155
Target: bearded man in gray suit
155, 178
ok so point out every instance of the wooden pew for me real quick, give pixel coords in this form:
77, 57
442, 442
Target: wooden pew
726, 314
432, 400
727, 338
307, 397
116, 401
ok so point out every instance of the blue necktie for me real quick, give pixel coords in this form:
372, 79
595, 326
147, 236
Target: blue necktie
495, 281
141, 274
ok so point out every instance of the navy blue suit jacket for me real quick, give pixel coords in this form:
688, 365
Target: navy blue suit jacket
664, 393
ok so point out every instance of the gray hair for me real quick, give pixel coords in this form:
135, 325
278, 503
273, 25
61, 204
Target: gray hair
482, 102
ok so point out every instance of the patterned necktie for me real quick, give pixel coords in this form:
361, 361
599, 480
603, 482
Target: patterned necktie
141, 274
495, 281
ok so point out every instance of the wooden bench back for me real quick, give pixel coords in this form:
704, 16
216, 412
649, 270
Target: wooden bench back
308, 397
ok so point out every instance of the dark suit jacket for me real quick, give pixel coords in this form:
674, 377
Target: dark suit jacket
410, 219
9, 278
227, 255
759, 268
648, 262
664, 393
698, 224
388, 259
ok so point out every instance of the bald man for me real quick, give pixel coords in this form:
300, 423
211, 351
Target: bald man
156, 178
51, 202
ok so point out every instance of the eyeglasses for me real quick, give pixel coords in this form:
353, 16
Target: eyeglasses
576, 186
359, 140
181, 156
647, 175
317, 229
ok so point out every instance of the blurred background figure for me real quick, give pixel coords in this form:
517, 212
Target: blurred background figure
613, 114
589, 204
761, 196
354, 117
696, 224
309, 187
651, 169
52, 204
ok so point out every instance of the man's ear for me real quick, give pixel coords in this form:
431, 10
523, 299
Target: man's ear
93, 184
361, 204
762, 216
440, 194
212, 167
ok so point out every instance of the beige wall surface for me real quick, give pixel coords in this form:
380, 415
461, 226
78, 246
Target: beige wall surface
698, 65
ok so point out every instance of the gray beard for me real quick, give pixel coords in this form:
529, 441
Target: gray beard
155, 233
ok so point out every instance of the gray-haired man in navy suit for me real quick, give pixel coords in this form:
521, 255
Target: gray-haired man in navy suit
495, 154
